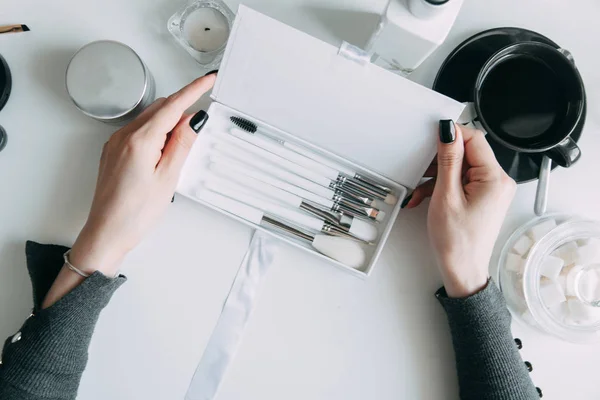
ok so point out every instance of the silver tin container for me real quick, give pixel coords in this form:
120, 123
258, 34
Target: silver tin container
109, 82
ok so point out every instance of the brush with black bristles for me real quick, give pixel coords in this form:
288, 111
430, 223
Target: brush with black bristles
14, 28
345, 177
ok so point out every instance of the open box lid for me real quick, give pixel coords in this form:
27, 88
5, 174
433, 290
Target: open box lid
303, 86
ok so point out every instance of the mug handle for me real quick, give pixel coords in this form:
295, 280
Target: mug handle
566, 153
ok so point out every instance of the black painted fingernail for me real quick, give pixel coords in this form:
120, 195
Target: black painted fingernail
447, 131
198, 121
406, 201
173, 198
214, 71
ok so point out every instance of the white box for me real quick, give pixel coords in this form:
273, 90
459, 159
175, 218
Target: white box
302, 90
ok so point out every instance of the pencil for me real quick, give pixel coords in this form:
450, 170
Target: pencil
13, 28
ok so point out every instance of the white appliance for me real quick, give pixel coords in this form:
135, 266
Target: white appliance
409, 31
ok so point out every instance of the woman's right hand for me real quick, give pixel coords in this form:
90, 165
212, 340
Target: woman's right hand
470, 195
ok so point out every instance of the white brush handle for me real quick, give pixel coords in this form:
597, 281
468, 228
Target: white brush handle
234, 167
320, 159
275, 170
231, 206
275, 159
256, 185
281, 151
234, 191
360, 229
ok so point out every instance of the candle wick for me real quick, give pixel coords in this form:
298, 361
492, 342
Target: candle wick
207, 29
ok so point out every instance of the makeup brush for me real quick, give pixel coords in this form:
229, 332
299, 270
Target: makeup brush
350, 191
241, 194
236, 168
319, 221
348, 252
310, 169
319, 163
231, 145
337, 204
14, 29
265, 173
356, 227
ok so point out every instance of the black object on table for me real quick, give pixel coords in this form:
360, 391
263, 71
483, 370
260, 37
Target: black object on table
5, 82
5, 88
456, 79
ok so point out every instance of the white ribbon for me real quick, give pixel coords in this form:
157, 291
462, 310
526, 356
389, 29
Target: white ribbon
227, 335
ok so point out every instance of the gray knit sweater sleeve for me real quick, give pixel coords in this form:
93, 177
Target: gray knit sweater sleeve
487, 359
46, 357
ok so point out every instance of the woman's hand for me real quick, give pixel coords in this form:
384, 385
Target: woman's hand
470, 195
139, 170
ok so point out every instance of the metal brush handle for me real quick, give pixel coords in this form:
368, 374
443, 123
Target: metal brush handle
353, 209
359, 202
366, 188
353, 191
286, 228
372, 183
353, 212
327, 216
363, 187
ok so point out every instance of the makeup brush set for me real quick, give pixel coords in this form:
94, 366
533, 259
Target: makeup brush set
288, 188
292, 127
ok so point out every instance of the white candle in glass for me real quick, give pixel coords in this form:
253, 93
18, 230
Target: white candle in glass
206, 29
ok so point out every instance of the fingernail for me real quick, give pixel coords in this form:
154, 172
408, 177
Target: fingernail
406, 201
198, 121
173, 198
447, 131
214, 71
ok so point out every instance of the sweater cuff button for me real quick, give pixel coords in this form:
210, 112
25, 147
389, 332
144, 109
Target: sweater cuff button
16, 337
518, 343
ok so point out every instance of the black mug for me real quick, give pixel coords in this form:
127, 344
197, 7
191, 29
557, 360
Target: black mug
530, 97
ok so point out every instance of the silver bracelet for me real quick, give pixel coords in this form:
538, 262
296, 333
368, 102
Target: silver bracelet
72, 267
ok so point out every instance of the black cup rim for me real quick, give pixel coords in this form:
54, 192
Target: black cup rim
496, 59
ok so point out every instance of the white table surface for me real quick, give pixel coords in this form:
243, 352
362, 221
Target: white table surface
316, 332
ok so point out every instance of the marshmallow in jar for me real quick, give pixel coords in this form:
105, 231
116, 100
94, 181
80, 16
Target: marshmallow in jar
550, 274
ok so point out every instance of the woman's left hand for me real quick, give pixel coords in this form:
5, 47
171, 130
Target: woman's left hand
139, 170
